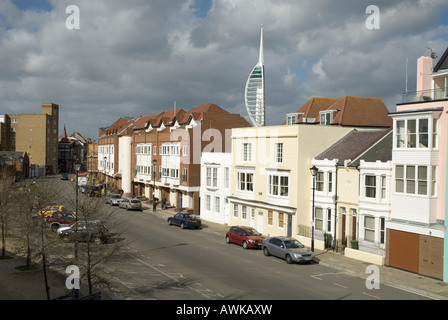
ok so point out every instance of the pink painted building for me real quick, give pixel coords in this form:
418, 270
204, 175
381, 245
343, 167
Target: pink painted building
416, 228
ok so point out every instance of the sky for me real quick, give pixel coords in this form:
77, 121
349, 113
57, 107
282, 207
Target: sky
141, 57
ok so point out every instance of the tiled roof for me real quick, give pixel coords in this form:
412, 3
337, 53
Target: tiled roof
347, 111
351, 145
312, 108
361, 112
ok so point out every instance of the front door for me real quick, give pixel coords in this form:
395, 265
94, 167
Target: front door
289, 226
260, 222
252, 218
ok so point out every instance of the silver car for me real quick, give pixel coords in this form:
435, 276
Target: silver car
290, 249
130, 204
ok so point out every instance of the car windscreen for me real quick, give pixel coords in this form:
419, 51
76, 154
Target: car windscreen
251, 232
292, 244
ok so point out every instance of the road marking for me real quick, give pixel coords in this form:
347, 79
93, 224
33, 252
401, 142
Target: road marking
370, 295
206, 293
340, 285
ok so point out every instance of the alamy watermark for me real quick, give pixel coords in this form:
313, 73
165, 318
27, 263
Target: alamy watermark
373, 21
373, 280
73, 280
73, 21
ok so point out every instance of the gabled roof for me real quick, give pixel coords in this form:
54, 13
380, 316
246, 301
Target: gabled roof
442, 64
352, 145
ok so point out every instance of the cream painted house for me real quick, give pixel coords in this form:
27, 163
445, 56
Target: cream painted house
270, 176
345, 190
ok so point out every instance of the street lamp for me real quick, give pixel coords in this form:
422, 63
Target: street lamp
77, 167
154, 162
313, 171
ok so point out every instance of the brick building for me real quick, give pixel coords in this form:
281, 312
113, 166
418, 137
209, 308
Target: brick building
35, 134
175, 140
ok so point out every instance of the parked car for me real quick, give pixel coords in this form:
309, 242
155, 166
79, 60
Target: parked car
61, 219
47, 211
113, 199
92, 232
247, 237
287, 248
130, 204
64, 176
185, 220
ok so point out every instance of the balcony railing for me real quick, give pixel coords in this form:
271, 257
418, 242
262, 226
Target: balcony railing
425, 95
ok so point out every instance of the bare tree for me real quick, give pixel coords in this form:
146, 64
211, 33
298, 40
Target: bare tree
94, 250
6, 203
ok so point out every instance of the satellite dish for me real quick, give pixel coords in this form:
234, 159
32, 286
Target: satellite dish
432, 54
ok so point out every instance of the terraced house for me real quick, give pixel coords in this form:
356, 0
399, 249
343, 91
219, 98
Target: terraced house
160, 155
271, 178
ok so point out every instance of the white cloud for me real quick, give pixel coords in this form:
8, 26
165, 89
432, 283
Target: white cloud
137, 57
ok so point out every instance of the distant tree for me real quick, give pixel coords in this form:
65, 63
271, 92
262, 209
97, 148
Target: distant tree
6, 203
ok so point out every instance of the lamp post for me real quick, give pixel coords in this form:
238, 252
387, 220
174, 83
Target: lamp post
77, 167
313, 171
154, 162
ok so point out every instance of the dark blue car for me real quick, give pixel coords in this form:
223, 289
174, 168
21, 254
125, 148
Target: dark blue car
185, 220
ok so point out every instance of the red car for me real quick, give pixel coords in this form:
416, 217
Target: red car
61, 219
247, 237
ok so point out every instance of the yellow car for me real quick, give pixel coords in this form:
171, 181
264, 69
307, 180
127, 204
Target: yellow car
49, 210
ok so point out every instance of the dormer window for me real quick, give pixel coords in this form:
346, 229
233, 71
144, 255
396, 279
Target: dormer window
326, 117
291, 118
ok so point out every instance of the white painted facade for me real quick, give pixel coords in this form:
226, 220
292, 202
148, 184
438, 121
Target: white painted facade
215, 186
375, 181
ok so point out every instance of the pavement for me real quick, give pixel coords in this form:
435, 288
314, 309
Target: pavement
29, 285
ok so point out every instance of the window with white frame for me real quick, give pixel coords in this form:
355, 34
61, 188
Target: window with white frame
247, 152
245, 181
217, 204
328, 220
370, 186
243, 212
326, 117
212, 177
278, 185
235, 211
414, 133
279, 152
383, 180
320, 181
291, 118
318, 218
433, 181
413, 179
208, 202
227, 173
369, 228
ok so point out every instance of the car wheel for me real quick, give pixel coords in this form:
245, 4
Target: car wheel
266, 251
54, 227
288, 259
169, 222
228, 239
245, 246
182, 226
